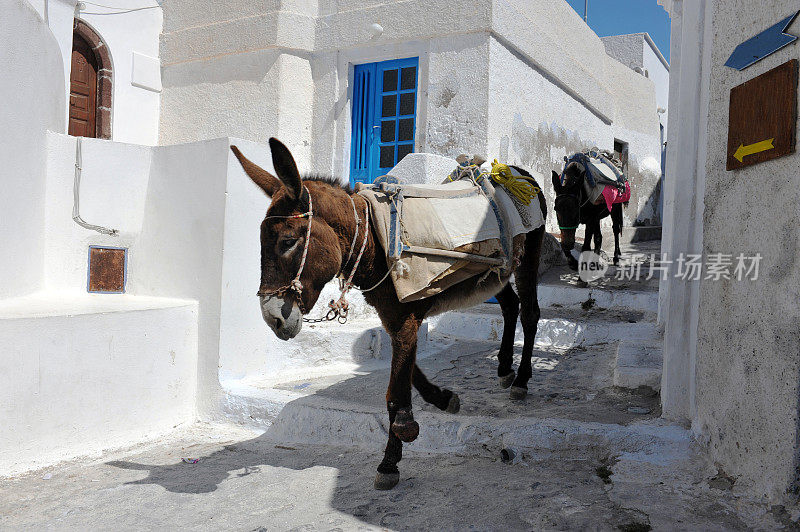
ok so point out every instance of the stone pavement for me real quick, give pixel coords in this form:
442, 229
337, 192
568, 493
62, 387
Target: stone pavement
590, 449
246, 481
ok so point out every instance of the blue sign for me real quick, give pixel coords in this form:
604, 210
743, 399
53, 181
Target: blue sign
762, 45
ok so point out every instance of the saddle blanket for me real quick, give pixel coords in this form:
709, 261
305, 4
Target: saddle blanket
604, 180
436, 236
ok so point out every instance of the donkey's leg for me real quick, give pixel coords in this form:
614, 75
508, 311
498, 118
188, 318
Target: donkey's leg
398, 395
526, 276
616, 220
587, 237
509, 305
598, 238
441, 398
402, 427
388, 475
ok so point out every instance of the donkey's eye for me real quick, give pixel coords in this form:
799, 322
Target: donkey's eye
286, 244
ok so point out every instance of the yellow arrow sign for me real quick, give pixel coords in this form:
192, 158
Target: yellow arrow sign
752, 149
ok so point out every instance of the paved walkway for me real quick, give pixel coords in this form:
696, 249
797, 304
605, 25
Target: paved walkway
590, 455
245, 481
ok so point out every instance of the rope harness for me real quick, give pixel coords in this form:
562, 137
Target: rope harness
338, 308
519, 186
295, 286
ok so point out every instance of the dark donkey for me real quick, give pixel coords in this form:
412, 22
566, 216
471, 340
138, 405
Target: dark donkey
310, 235
573, 208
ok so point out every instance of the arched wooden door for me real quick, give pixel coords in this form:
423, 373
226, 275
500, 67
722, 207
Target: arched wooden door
82, 90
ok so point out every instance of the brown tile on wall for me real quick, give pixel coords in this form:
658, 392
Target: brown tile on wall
107, 270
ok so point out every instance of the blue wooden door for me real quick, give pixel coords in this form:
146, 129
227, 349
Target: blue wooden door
384, 116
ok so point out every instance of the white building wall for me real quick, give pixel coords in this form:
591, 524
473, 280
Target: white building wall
748, 359
83, 373
113, 190
78, 372
127, 29
33, 103
730, 355
228, 80
537, 132
172, 206
136, 101
638, 51
683, 211
658, 72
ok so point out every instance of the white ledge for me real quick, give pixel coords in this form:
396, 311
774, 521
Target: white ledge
49, 304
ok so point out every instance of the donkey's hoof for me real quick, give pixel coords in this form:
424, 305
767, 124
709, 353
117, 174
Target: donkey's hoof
506, 381
407, 431
386, 481
404, 425
518, 393
454, 405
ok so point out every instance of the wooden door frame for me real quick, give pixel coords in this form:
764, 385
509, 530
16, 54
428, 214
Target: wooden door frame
105, 80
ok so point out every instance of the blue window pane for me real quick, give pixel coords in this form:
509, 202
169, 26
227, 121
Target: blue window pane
403, 150
387, 130
408, 78
407, 103
387, 156
406, 129
390, 80
389, 105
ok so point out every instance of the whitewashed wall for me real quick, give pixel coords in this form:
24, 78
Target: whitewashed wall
84, 373
136, 99
637, 50
114, 184
236, 80
658, 72
535, 123
730, 352
537, 132
748, 354
31, 89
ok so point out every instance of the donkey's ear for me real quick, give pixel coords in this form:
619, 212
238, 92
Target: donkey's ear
286, 168
266, 181
556, 182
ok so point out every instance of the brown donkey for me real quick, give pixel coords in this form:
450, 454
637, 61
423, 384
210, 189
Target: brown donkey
310, 235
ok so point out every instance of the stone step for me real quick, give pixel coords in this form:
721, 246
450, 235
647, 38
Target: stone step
638, 364
572, 405
324, 420
562, 328
564, 295
638, 357
326, 351
639, 233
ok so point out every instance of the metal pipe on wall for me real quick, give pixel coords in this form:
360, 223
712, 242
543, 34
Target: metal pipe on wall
76, 196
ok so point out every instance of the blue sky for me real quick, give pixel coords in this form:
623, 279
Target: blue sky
617, 17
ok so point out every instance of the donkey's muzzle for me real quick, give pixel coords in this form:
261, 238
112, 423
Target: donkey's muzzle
283, 316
